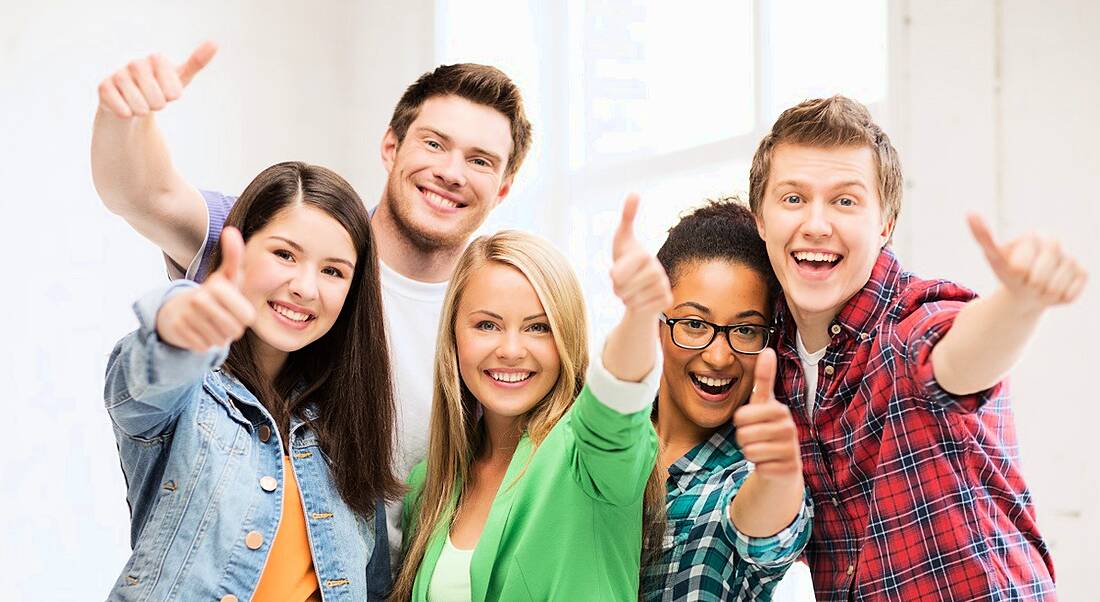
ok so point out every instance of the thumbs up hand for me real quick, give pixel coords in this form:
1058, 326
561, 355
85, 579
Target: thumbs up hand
637, 278
148, 84
765, 430
1034, 270
216, 313
640, 281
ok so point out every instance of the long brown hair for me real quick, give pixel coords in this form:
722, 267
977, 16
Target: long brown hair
455, 431
346, 372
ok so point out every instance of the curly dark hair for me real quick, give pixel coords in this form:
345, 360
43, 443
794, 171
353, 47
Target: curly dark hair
724, 228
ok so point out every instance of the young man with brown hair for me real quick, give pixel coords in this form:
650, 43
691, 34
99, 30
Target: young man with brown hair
455, 141
897, 383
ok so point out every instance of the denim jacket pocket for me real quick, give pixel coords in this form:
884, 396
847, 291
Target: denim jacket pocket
223, 426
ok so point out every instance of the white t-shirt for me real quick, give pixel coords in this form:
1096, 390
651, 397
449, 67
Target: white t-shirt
809, 369
411, 310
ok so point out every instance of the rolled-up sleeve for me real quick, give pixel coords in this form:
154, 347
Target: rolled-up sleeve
778, 551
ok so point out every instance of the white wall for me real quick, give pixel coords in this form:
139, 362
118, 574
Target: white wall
290, 82
995, 104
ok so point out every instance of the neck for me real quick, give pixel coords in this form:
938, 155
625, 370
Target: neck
268, 359
677, 434
502, 435
406, 258
813, 328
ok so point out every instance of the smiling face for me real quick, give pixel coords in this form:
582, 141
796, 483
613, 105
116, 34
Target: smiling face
297, 272
448, 173
705, 386
507, 356
821, 219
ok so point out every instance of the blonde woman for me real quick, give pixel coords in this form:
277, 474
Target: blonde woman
533, 485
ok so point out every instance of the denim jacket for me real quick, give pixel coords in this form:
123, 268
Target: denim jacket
194, 444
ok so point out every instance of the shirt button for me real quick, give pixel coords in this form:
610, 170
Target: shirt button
863, 336
265, 433
851, 569
268, 483
829, 370
228, 598
254, 540
835, 502
835, 329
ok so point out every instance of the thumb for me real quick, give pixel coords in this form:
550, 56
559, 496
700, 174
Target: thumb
624, 234
763, 384
232, 266
993, 253
198, 59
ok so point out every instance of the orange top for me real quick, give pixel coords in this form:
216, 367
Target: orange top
289, 573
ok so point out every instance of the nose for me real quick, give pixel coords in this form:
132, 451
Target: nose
718, 354
452, 170
304, 285
511, 346
816, 222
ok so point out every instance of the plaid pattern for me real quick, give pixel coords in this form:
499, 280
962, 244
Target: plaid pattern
918, 493
705, 557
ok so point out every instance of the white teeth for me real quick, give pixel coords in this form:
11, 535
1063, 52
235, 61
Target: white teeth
438, 200
289, 313
510, 377
713, 382
808, 256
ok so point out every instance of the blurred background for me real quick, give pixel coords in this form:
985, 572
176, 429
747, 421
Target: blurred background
990, 103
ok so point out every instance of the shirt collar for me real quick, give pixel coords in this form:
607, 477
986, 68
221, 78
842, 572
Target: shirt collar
719, 451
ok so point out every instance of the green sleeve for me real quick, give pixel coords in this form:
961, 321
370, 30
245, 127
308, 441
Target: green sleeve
613, 453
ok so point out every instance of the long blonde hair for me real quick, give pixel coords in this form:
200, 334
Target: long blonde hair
454, 432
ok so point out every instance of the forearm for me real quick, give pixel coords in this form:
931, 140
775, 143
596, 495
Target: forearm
630, 350
765, 506
130, 162
985, 341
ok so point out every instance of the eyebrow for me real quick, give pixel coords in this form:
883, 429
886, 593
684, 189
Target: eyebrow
703, 308
843, 184
298, 247
500, 317
477, 149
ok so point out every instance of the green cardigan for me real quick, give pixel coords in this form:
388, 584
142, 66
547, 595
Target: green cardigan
570, 528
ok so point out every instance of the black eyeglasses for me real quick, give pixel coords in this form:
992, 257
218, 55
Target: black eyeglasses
693, 333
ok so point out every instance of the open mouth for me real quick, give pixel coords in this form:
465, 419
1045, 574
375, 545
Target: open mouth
439, 201
816, 261
712, 385
511, 377
296, 318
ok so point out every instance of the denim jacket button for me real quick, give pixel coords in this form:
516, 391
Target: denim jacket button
228, 598
268, 483
265, 433
254, 540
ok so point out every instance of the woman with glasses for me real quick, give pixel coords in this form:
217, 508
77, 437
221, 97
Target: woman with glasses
736, 511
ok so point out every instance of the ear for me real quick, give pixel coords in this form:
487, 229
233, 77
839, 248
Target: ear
505, 188
759, 226
389, 149
887, 231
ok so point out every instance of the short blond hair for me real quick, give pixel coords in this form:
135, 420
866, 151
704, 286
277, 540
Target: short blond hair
826, 123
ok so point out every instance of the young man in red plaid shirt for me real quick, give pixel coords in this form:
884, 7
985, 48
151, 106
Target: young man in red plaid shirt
897, 383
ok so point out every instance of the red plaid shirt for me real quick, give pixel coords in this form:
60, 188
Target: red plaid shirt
918, 492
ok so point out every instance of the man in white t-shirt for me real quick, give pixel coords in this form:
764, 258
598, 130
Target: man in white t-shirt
454, 143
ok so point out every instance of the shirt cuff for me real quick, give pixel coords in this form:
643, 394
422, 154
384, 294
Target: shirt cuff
919, 361
625, 397
778, 550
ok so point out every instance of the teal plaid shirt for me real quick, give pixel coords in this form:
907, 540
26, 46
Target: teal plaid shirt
706, 558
